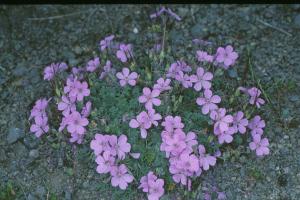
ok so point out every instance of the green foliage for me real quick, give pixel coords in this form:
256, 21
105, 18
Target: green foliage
7, 192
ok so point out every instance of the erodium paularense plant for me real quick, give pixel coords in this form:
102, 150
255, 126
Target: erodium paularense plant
153, 120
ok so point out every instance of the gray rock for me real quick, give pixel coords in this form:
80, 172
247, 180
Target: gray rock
197, 30
14, 134
297, 21
294, 98
40, 191
68, 195
34, 154
31, 141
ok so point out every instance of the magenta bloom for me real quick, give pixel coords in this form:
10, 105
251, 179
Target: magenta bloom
256, 125
105, 43
254, 94
225, 136
154, 117
205, 160
202, 79
40, 127
222, 120
66, 105
176, 144
100, 144
39, 109
122, 147
260, 145
172, 123
203, 56
226, 56
239, 123
162, 85
208, 102
149, 98
126, 77
184, 79
51, 70
92, 65
188, 162
105, 162
120, 177
86, 110
79, 91
152, 185
145, 180
125, 52
143, 122
178, 66
76, 123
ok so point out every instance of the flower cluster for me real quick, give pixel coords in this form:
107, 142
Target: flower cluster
38, 113
153, 186
109, 150
51, 70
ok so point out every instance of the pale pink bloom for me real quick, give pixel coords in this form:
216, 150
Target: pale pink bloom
239, 123
156, 189
172, 123
143, 122
105, 43
126, 77
226, 56
256, 125
105, 162
39, 109
222, 120
76, 123
79, 91
40, 127
188, 162
66, 105
120, 177
202, 79
150, 98
76, 138
203, 56
51, 70
225, 136
100, 144
124, 52
259, 145
173, 70
122, 147
162, 85
254, 94
145, 180
86, 110
154, 117
184, 79
93, 64
205, 160
191, 140
106, 70
208, 102
175, 144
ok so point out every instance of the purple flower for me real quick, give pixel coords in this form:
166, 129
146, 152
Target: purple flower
76, 123
168, 10
120, 177
100, 144
145, 180
66, 105
162, 85
39, 109
152, 185
76, 138
225, 136
86, 110
143, 122
51, 70
172, 123
259, 145
105, 162
208, 102
239, 123
122, 147
79, 90
106, 70
184, 79
202, 79
92, 65
222, 120
254, 94
124, 52
226, 56
177, 67
105, 43
203, 56
149, 98
256, 125
126, 77
40, 127
205, 160
154, 117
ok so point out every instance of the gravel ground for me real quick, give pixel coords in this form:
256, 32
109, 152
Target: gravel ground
31, 39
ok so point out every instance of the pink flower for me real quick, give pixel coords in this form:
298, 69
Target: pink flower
39, 109
156, 190
184, 79
203, 56
76, 123
40, 127
106, 70
190, 140
120, 177
162, 85
225, 136
125, 52
76, 138
208, 102
222, 120
239, 123
86, 110
172, 123
51, 70
256, 125
154, 117
100, 144
122, 147
188, 162
205, 160
66, 105
150, 98
226, 56
105, 162
145, 180
202, 79
143, 122
105, 43
126, 77
259, 145
175, 144
92, 65
254, 94
79, 91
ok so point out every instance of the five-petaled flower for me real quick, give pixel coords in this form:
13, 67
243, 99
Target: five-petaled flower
126, 77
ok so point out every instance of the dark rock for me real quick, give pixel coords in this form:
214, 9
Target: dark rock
14, 134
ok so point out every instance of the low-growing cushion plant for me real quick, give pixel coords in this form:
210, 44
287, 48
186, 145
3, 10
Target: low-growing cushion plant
154, 118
